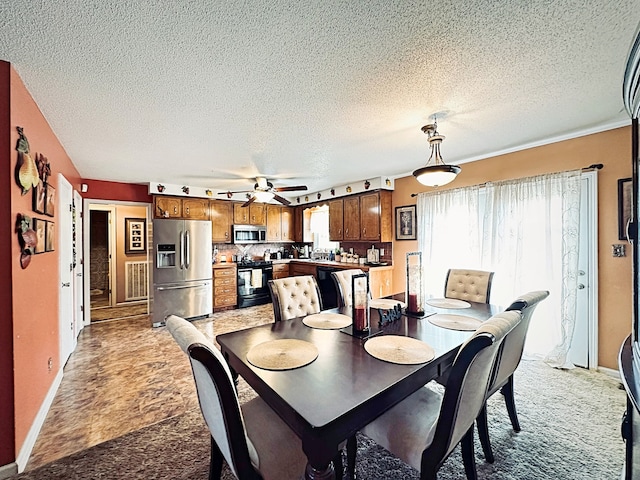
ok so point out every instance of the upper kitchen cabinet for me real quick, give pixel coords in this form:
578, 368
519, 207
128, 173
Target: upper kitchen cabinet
288, 224
274, 223
254, 214
178, 207
364, 217
221, 219
336, 222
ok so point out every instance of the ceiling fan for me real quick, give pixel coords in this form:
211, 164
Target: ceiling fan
263, 191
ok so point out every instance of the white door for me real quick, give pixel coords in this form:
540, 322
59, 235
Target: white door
64, 228
78, 265
583, 351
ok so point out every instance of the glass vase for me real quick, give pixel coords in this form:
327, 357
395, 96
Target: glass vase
414, 296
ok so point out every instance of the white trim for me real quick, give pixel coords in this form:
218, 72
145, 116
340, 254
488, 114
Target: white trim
592, 182
610, 372
34, 431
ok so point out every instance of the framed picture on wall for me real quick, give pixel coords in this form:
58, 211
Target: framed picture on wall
406, 222
39, 226
50, 200
39, 198
135, 241
624, 206
50, 237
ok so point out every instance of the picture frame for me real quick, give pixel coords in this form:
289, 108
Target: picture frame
50, 237
624, 206
39, 196
39, 226
406, 222
135, 236
50, 200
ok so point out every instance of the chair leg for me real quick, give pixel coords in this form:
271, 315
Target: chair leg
468, 455
215, 466
338, 467
483, 433
509, 400
352, 448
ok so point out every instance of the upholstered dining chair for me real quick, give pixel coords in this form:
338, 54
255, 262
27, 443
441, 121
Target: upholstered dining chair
469, 285
342, 280
252, 438
424, 428
294, 297
508, 361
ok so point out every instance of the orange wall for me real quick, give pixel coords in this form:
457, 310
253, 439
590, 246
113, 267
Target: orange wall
34, 289
122, 212
611, 148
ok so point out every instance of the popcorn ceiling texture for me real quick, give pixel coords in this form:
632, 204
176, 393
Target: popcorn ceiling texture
209, 93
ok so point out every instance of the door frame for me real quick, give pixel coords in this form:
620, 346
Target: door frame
66, 335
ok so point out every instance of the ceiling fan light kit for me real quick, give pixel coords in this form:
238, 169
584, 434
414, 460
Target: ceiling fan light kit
436, 173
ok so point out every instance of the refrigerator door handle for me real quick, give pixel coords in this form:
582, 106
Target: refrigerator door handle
181, 287
181, 251
187, 249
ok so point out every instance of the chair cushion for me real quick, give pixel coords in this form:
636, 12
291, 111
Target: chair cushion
298, 296
470, 285
344, 280
407, 429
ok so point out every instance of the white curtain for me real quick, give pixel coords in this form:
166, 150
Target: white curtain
526, 231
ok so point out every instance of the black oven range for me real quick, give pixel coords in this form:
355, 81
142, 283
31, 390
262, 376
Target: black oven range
253, 278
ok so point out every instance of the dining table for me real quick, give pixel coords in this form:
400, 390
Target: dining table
327, 401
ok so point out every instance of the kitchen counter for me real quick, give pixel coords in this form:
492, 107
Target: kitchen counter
328, 263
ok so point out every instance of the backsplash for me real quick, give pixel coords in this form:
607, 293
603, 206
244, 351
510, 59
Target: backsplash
361, 249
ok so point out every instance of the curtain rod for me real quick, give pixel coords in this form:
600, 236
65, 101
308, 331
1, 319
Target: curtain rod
593, 166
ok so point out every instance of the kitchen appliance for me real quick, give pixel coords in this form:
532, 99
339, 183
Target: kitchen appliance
253, 282
182, 274
327, 286
249, 234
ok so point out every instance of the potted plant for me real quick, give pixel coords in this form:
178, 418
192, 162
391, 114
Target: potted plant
337, 257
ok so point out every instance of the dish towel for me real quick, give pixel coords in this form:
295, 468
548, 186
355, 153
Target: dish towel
256, 278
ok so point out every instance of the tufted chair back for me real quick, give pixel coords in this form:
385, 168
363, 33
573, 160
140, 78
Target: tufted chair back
295, 297
342, 279
469, 285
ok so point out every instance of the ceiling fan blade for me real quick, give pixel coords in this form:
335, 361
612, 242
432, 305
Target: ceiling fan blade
282, 200
290, 189
250, 201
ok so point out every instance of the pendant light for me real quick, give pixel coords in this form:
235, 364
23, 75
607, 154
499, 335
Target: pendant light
436, 173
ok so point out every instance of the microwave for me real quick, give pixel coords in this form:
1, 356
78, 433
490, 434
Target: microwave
249, 234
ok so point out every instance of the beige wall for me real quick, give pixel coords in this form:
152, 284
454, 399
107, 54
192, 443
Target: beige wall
123, 212
611, 148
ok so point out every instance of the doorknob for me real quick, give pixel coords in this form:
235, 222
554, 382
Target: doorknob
581, 272
68, 284
580, 286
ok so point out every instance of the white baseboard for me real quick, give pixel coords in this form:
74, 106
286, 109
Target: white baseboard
34, 431
610, 372
8, 471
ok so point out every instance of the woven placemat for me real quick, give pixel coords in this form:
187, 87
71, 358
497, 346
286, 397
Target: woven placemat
327, 321
283, 354
397, 349
385, 303
455, 322
448, 303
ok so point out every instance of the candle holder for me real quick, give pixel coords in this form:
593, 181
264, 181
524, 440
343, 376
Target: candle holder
360, 303
414, 295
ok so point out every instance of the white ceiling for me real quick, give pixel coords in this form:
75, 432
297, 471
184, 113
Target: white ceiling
206, 93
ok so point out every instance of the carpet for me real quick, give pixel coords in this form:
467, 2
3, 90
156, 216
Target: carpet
570, 421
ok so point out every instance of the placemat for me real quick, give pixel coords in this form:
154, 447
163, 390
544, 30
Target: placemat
282, 354
327, 321
397, 349
385, 303
455, 322
448, 303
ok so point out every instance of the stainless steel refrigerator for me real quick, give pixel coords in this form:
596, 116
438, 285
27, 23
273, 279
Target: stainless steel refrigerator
182, 274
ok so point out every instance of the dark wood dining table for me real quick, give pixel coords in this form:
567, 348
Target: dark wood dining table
344, 388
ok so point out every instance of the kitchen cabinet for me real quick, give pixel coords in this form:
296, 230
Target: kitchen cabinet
380, 281
225, 285
298, 224
221, 213
280, 270
254, 214
299, 268
178, 207
288, 224
274, 223
336, 221
351, 218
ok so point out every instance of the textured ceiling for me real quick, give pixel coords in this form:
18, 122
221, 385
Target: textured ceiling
205, 93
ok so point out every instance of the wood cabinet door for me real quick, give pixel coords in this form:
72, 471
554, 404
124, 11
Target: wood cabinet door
380, 282
370, 217
240, 214
257, 214
167, 207
352, 218
280, 270
274, 223
195, 208
336, 221
288, 224
298, 224
221, 216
